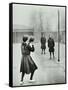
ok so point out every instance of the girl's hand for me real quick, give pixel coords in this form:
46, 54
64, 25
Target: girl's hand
31, 44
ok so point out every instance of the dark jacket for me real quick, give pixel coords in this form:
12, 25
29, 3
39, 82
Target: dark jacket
43, 42
51, 44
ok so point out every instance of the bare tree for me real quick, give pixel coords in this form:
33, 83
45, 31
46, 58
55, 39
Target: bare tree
33, 19
41, 22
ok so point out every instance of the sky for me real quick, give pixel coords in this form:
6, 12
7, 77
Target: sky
29, 16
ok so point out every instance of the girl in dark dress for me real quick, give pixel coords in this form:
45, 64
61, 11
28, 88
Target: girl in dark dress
27, 64
51, 45
32, 64
24, 54
43, 44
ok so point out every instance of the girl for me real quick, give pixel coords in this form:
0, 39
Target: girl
24, 54
27, 64
32, 64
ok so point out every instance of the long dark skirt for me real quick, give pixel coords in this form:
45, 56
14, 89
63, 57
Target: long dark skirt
43, 46
27, 64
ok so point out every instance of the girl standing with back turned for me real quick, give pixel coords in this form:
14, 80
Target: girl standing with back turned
27, 64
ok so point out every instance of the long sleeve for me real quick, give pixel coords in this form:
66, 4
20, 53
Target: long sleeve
31, 48
23, 49
53, 43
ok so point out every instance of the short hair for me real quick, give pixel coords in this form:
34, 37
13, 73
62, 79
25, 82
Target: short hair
25, 38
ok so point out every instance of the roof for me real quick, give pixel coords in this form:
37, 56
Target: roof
22, 28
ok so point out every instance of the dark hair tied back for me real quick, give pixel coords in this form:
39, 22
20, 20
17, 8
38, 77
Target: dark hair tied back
25, 38
31, 39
